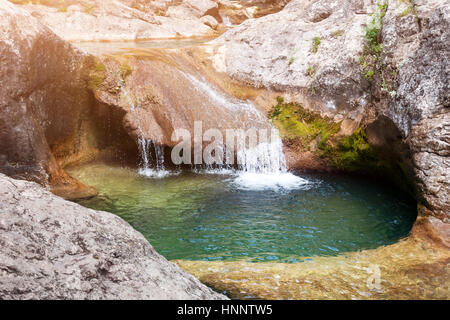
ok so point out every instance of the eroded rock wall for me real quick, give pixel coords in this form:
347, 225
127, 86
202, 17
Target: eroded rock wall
41, 93
47, 116
416, 47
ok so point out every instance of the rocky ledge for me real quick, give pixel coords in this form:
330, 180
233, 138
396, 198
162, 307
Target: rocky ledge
89, 20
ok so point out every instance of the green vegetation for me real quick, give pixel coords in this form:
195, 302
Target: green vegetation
349, 153
315, 44
369, 74
125, 70
310, 71
411, 8
372, 47
353, 153
296, 122
97, 76
336, 34
89, 9
291, 60
406, 12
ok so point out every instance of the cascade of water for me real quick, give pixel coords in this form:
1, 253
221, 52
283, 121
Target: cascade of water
144, 147
159, 155
264, 165
221, 99
266, 157
226, 20
144, 150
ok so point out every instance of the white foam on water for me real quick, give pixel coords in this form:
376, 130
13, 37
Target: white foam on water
156, 173
264, 167
217, 171
272, 181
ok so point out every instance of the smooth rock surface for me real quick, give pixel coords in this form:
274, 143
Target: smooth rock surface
55, 249
164, 93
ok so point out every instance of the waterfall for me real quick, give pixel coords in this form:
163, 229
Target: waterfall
145, 148
266, 157
260, 165
226, 20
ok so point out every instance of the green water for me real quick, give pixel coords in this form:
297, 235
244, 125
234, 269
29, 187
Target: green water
212, 217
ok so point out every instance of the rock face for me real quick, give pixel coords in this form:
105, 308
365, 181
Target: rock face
296, 49
195, 9
41, 93
119, 20
46, 110
163, 91
416, 45
314, 52
141, 19
236, 12
55, 249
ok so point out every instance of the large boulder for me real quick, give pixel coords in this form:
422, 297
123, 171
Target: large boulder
55, 249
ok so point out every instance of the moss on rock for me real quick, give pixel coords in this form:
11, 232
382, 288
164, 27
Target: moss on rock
96, 76
347, 153
296, 122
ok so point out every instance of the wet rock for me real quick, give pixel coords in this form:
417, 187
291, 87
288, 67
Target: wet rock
42, 101
164, 92
55, 249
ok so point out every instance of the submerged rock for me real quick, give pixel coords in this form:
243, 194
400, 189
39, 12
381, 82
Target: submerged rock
55, 249
409, 269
